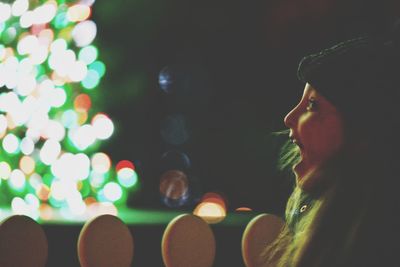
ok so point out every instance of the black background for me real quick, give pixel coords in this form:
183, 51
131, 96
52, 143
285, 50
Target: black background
234, 64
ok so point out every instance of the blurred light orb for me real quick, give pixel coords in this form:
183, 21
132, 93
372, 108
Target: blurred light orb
27, 44
101, 163
88, 54
174, 184
45, 13
27, 165
17, 180
50, 151
42, 191
212, 197
124, 164
83, 137
18, 206
210, 212
9, 35
58, 97
27, 19
174, 129
58, 46
35, 180
82, 102
127, 177
5, 12
3, 123
112, 191
84, 33
91, 80
69, 119
243, 209
78, 12
5, 170
78, 71
19, 7
11, 143
103, 126
98, 67
32, 201
167, 79
54, 130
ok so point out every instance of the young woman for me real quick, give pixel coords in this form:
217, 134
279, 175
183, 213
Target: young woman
344, 152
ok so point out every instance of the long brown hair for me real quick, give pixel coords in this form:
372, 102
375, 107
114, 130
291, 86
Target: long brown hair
351, 218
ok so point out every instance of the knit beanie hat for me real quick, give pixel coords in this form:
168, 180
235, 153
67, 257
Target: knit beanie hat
360, 77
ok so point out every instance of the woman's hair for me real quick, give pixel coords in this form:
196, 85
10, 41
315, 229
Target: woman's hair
351, 216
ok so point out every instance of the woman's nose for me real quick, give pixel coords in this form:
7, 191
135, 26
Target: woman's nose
290, 118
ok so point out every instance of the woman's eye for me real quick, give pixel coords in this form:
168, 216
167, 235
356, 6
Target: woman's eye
312, 104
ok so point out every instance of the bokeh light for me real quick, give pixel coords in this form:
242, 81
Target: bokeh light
174, 188
210, 212
50, 125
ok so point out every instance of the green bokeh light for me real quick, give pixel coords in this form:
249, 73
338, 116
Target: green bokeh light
88, 54
91, 80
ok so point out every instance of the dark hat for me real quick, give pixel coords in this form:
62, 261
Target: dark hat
359, 76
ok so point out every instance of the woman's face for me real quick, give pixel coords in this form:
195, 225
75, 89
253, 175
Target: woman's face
316, 127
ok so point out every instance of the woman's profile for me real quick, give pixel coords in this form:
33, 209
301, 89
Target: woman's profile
344, 152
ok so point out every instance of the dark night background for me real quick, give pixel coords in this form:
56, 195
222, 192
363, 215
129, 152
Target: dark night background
233, 67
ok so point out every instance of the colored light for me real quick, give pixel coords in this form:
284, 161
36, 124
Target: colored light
245, 209
213, 197
71, 167
9, 35
112, 191
45, 13
88, 54
91, 80
98, 67
27, 164
210, 212
101, 163
124, 164
17, 180
19, 7
78, 71
32, 201
11, 143
3, 123
97, 180
61, 20
174, 184
27, 19
69, 119
84, 33
83, 137
27, 44
103, 126
127, 177
5, 12
53, 130
78, 13
58, 98
50, 151
18, 206
43, 192
5, 170
82, 102
35, 180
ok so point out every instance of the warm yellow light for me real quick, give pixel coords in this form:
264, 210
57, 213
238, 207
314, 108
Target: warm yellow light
210, 212
27, 164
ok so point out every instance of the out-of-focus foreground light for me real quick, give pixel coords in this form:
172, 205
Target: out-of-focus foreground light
49, 70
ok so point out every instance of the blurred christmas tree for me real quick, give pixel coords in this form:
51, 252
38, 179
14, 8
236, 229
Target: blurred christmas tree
50, 132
